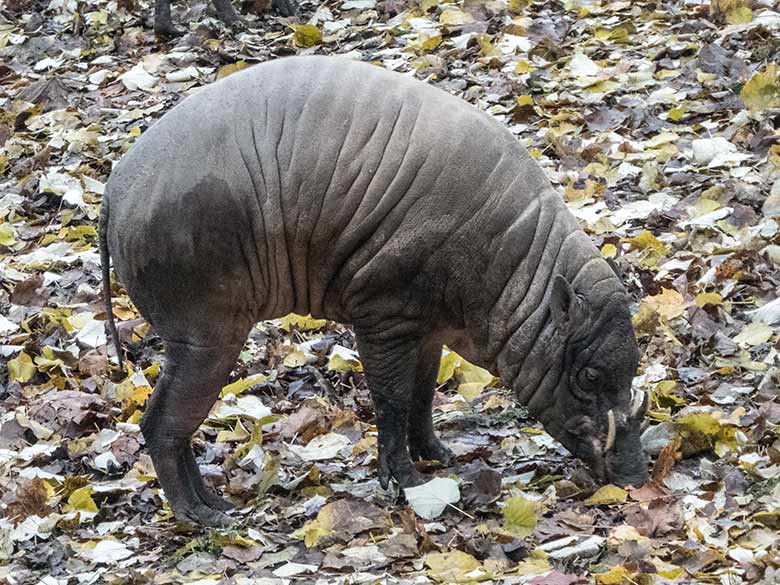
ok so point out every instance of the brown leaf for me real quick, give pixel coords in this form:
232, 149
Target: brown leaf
660, 518
69, 412
31, 500
93, 362
668, 456
26, 292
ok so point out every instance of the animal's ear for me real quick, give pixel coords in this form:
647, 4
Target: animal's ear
563, 300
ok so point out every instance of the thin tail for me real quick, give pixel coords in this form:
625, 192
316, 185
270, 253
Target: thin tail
106, 271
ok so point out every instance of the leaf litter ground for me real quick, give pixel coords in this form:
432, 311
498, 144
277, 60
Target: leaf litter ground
658, 123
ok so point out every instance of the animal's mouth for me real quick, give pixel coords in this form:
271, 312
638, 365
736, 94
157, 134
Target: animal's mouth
636, 411
621, 459
613, 449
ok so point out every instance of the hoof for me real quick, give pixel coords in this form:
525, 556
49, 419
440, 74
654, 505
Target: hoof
434, 450
203, 515
166, 30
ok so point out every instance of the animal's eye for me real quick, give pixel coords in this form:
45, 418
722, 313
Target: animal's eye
589, 377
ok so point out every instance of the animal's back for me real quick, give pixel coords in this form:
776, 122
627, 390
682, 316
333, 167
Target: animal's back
314, 185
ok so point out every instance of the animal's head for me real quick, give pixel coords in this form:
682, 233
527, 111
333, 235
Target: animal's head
582, 368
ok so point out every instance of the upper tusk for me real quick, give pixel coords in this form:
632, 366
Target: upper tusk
637, 402
610, 431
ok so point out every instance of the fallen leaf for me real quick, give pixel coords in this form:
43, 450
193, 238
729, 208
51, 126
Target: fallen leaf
607, 495
430, 499
520, 516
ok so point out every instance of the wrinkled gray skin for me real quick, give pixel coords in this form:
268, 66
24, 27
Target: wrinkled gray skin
324, 186
163, 24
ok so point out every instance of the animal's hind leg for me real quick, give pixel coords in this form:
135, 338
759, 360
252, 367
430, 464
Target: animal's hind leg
423, 442
191, 380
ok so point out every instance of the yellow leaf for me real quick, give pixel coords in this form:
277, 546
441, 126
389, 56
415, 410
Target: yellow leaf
676, 114
302, 322
653, 248
7, 235
319, 528
81, 232
739, 15
455, 567
661, 138
135, 132
242, 384
589, 190
468, 373
231, 68
449, 363
238, 433
702, 431
607, 495
669, 304
754, 334
21, 369
768, 519
338, 363
307, 35
471, 390
665, 394
48, 360
605, 86
517, 6
486, 46
608, 251
520, 516
703, 423
431, 43
295, 359
705, 298
773, 156
472, 379
152, 371
455, 17
763, 90
525, 100
524, 66
81, 500
615, 576
139, 395
534, 565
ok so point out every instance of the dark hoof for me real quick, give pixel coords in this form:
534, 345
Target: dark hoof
204, 516
212, 500
434, 450
402, 471
412, 479
236, 24
166, 30
195, 480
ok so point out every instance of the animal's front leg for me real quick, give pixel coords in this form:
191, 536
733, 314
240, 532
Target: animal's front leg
423, 442
163, 24
389, 362
227, 13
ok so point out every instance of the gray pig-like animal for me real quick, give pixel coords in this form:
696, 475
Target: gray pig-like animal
324, 186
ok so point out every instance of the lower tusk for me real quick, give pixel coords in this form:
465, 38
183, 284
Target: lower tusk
637, 402
610, 431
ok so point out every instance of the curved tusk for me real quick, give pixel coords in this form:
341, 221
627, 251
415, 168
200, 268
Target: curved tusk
637, 403
611, 430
